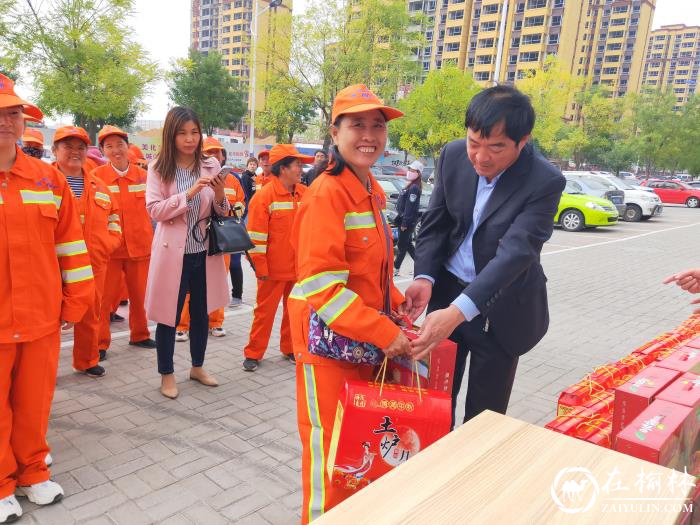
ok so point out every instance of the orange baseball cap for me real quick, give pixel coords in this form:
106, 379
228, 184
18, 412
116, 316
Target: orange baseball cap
71, 131
135, 154
8, 99
211, 143
111, 130
282, 151
358, 98
33, 136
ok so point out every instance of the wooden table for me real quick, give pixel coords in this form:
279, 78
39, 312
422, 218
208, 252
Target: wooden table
499, 470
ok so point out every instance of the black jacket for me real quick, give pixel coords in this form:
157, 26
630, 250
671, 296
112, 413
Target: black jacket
408, 204
248, 183
510, 286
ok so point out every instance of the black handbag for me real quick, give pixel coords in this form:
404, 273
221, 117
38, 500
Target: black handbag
226, 235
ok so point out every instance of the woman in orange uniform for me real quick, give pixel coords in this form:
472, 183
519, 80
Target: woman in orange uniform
127, 182
100, 220
344, 264
211, 147
46, 286
270, 218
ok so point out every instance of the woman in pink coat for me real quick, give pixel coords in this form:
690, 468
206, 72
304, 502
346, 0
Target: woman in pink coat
181, 189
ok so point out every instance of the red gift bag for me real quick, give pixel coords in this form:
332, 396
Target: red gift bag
379, 426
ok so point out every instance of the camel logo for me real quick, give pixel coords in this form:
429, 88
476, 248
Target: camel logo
570, 490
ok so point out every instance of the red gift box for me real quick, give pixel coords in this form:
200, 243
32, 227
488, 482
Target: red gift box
638, 393
694, 343
656, 435
683, 391
376, 431
685, 359
436, 370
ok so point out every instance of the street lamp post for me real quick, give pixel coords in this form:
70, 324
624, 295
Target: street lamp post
253, 53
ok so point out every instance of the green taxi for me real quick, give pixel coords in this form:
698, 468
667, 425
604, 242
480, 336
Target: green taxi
578, 210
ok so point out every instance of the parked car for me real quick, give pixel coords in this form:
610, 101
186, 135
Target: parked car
392, 186
597, 188
694, 184
675, 192
578, 210
640, 205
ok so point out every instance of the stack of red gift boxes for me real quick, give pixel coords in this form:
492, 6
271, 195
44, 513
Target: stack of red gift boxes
646, 405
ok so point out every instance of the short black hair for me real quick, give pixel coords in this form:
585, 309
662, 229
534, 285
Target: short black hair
277, 166
321, 151
501, 104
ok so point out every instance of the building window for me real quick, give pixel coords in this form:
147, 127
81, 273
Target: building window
484, 59
614, 47
536, 4
612, 58
532, 39
454, 31
452, 46
470, 62
558, 3
618, 22
490, 9
620, 9
534, 21
456, 15
616, 34
553, 39
482, 76
520, 8
488, 26
531, 56
609, 71
556, 20
518, 25
515, 41
513, 59
511, 76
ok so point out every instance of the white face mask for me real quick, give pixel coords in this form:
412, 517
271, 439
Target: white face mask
412, 175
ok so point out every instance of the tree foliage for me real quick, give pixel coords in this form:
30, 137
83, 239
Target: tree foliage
335, 45
285, 113
202, 83
434, 112
80, 56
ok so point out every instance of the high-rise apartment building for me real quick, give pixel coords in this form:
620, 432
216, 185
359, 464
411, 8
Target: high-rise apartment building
502, 40
225, 26
672, 61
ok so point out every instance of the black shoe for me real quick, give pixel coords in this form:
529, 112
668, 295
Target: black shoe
123, 303
116, 318
290, 358
103, 355
250, 365
93, 371
146, 343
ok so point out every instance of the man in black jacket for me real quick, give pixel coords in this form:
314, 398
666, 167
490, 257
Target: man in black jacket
320, 165
248, 180
478, 252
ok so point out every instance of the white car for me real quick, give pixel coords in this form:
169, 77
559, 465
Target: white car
639, 204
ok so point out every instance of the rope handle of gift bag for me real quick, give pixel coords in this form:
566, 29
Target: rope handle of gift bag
382, 372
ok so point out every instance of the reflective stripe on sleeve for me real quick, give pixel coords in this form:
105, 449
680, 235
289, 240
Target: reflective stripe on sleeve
84, 273
66, 249
357, 221
114, 227
330, 311
259, 248
113, 217
319, 282
257, 236
297, 293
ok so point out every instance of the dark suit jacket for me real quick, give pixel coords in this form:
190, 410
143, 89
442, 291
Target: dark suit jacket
510, 286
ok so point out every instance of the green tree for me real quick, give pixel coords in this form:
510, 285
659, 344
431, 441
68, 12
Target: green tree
285, 114
335, 45
551, 89
434, 112
81, 57
202, 83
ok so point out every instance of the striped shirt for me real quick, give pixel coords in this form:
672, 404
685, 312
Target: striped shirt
185, 179
77, 185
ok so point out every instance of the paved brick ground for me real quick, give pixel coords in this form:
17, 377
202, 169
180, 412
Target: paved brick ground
126, 455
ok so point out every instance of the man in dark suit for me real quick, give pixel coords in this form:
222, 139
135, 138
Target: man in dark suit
478, 253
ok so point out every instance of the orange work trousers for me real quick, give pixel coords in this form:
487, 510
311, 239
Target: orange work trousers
136, 273
27, 383
216, 318
123, 295
87, 332
318, 392
269, 295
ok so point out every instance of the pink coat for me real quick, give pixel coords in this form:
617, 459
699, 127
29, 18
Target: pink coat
169, 209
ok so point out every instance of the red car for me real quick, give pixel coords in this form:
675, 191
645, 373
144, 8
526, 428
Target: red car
674, 192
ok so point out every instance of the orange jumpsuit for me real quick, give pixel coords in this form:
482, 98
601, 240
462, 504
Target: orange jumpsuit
103, 234
236, 198
262, 181
343, 264
270, 217
46, 278
133, 256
